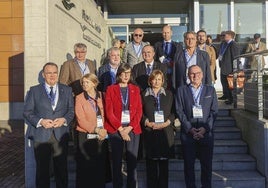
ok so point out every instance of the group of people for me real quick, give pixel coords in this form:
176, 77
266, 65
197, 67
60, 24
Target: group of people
129, 104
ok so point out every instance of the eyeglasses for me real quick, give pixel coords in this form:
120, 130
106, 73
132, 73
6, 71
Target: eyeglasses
138, 35
126, 73
195, 73
80, 52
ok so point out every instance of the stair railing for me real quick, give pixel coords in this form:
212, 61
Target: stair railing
238, 66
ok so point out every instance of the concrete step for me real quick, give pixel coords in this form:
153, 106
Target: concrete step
223, 113
221, 179
221, 133
225, 121
220, 162
227, 133
222, 146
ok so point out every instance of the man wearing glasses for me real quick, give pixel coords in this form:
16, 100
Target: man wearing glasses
133, 52
72, 70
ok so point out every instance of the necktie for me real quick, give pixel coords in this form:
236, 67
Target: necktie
167, 48
148, 69
51, 94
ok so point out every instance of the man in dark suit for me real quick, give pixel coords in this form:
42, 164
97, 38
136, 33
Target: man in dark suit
227, 52
197, 108
165, 51
107, 72
142, 70
191, 55
49, 108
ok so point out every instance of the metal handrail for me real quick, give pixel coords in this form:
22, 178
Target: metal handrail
236, 69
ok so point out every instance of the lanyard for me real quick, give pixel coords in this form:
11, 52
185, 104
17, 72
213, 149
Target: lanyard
84, 68
93, 103
196, 95
124, 102
157, 100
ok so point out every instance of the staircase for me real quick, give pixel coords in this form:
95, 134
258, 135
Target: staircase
233, 167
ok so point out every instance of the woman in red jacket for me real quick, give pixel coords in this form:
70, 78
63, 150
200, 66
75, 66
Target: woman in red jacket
123, 110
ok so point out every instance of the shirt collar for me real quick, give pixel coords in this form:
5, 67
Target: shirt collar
149, 91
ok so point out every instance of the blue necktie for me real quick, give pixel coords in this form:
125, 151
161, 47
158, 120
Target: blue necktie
51, 94
148, 69
167, 48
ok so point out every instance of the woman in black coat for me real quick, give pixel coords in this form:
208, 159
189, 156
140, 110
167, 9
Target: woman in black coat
158, 122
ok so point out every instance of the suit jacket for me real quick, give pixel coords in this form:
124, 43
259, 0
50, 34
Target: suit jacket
141, 78
184, 108
159, 50
86, 115
226, 64
130, 56
179, 70
70, 74
252, 48
104, 77
113, 108
37, 105
212, 57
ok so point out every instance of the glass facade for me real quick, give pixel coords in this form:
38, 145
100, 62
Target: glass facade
245, 17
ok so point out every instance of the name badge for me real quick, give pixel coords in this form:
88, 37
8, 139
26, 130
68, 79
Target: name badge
159, 116
197, 111
99, 121
125, 117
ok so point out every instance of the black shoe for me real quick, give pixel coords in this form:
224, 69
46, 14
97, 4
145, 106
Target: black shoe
222, 98
228, 102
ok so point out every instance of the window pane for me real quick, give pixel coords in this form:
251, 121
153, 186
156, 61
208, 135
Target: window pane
214, 18
249, 19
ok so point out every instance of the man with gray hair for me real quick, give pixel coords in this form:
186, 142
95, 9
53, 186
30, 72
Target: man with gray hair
72, 70
107, 72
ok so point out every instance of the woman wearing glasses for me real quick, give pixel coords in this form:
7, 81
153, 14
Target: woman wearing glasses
158, 119
123, 110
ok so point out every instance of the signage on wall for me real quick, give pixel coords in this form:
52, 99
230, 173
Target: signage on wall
87, 31
67, 4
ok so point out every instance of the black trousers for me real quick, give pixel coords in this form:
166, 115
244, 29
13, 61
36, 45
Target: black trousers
43, 152
202, 149
225, 89
131, 147
157, 173
92, 162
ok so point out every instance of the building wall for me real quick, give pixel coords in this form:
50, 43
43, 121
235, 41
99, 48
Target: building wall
51, 30
11, 57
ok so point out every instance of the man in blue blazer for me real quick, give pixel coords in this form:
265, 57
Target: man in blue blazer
197, 108
49, 108
191, 55
107, 72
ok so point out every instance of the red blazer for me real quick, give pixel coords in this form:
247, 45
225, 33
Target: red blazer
113, 108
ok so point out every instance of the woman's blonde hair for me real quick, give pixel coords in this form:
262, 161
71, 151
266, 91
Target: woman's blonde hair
92, 77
